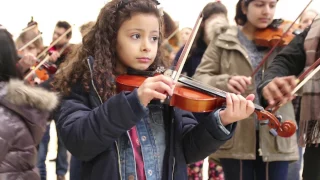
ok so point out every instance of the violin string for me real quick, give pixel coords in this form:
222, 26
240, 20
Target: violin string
222, 93
204, 85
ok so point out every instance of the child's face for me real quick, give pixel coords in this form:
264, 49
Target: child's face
307, 19
260, 13
185, 33
31, 49
137, 41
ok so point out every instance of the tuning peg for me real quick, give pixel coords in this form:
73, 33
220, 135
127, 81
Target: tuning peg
279, 117
264, 122
273, 132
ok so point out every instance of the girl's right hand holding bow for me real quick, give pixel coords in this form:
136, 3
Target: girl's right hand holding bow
157, 87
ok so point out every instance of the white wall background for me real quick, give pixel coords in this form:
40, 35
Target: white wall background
14, 14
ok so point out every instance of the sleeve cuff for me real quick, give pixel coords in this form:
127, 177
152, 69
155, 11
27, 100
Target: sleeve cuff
225, 129
135, 104
212, 123
263, 101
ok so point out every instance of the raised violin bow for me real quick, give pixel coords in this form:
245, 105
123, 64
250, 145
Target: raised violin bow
41, 63
28, 28
175, 74
47, 57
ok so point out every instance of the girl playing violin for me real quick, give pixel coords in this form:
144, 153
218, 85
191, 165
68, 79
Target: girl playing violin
227, 64
131, 135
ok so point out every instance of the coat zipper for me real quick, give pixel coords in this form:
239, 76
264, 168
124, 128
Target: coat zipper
174, 163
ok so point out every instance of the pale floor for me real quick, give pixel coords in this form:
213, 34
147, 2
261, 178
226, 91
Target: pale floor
51, 168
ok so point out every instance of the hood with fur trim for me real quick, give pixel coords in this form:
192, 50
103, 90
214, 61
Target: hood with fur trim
216, 26
32, 104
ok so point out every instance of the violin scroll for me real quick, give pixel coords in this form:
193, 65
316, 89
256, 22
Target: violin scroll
282, 129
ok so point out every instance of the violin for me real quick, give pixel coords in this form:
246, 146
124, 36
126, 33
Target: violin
193, 96
270, 36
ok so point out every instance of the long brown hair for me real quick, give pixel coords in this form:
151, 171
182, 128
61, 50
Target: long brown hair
100, 43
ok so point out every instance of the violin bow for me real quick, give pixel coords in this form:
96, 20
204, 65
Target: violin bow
265, 58
45, 51
28, 28
42, 62
306, 79
175, 74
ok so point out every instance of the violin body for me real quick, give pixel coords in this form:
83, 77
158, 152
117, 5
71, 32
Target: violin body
50, 68
38, 77
42, 74
184, 97
270, 36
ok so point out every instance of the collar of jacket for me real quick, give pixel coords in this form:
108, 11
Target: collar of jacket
229, 40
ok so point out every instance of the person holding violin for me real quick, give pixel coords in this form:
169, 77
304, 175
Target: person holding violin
132, 135
280, 81
56, 57
185, 34
227, 64
28, 54
214, 16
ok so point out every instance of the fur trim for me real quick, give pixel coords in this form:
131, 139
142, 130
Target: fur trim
216, 26
20, 94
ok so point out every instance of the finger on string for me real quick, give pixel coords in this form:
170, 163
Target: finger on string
158, 95
236, 102
204, 85
229, 101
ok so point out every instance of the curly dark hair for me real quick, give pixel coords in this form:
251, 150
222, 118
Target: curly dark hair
100, 42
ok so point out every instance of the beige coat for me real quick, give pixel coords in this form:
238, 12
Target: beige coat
224, 57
